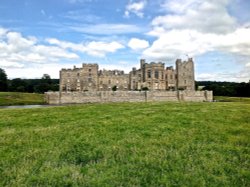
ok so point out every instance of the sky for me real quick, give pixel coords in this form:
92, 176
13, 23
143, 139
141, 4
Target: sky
43, 36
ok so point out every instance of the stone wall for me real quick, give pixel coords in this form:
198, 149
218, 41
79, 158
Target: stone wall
126, 96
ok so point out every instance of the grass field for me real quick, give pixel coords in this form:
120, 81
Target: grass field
232, 99
126, 144
17, 98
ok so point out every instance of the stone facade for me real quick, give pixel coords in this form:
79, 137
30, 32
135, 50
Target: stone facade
152, 76
79, 79
108, 79
127, 96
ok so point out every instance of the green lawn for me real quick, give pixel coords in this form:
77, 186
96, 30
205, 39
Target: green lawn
126, 144
16, 98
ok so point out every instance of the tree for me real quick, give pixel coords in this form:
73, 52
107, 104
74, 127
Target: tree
17, 85
3, 80
46, 79
46, 84
114, 88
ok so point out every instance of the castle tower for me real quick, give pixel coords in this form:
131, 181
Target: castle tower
185, 75
89, 77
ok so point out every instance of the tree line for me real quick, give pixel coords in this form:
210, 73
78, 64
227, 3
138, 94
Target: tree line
45, 84
232, 89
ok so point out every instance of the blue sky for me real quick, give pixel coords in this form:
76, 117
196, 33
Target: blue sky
38, 37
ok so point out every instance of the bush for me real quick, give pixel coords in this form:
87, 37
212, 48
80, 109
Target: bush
114, 88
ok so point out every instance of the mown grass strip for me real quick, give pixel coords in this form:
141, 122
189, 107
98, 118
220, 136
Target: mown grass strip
17, 98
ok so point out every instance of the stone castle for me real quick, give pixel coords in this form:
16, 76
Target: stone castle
88, 84
150, 76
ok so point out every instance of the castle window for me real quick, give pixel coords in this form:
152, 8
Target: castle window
89, 79
149, 73
90, 74
185, 81
89, 70
109, 81
156, 74
171, 76
78, 74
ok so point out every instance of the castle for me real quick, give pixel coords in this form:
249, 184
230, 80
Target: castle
150, 76
88, 84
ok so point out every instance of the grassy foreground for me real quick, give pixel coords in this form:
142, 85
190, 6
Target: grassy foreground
17, 98
126, 144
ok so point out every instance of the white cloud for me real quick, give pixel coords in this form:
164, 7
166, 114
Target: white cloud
195, 27
135, 8
208, 16
18, 51
25, 56
138, 44
8, 64
240, 76
107, 29
37, 71
98, 49
79, 15
2, 32
101, 48
178, 42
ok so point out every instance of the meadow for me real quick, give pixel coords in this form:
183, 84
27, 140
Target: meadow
126, 144
18, 98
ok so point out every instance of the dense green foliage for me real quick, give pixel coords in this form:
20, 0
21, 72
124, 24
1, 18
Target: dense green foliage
33, 85
232, 89
3, 81
126, 144
17, 98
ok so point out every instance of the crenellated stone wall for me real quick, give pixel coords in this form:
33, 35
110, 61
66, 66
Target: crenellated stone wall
126, 96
